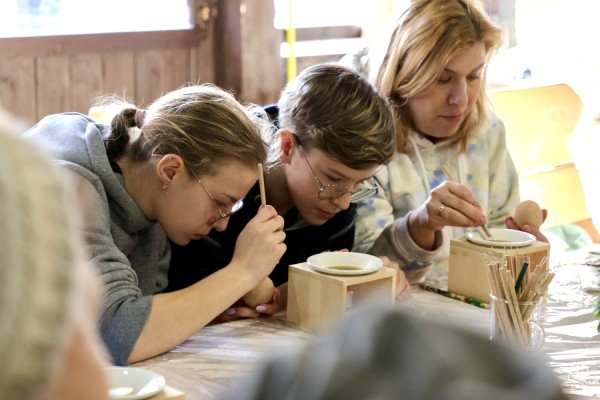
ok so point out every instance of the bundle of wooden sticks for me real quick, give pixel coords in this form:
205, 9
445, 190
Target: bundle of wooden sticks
516, 292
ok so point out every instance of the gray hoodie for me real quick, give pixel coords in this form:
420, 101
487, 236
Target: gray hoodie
130, 251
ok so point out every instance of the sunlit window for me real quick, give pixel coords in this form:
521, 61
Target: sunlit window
63, 17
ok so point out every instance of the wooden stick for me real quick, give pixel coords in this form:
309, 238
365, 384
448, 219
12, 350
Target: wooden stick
451, 178
532, 281
261, 183
531, 308
512, 303
501, 312
502, 323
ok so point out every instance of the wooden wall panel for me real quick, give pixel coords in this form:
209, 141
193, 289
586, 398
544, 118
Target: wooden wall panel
177, 68
52, 91
262, 80
85, 81
203, 70
45, 75
118, 73
150, 76
18, 88
228, 46
247, 51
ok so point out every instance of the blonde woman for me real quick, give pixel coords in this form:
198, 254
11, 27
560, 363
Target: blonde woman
49, 297
433, 70
176, 170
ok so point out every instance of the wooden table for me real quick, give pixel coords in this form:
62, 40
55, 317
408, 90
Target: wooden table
216, 357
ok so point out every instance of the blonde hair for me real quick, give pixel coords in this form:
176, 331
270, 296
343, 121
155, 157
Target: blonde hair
203, 124
338, 111
426, 37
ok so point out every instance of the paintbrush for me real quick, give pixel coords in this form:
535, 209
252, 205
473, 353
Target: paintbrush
261, 184
483, 227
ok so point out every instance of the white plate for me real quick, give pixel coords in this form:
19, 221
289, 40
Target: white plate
501, 238
128, 383
348, 263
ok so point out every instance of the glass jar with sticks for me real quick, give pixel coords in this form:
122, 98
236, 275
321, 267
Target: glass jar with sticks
516, 299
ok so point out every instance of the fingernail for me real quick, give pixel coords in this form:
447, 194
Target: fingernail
230, 311
261, 309
275, 297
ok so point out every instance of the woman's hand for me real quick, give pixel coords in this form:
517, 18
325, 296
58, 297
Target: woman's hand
449, 204
511, 224
402, 284
260, 244
241, 310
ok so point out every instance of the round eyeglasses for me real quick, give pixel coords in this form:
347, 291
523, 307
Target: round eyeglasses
335, 191
222, 214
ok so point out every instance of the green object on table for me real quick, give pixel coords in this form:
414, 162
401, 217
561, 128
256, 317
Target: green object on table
455, 296
521, 276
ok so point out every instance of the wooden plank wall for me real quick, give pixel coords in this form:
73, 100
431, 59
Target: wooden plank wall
34, 83
45, 75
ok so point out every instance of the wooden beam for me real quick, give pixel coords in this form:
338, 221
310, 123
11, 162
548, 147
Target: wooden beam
327, 32
48, 46
228, 46
247, 59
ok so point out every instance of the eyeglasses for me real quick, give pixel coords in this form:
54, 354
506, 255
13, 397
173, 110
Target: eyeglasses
222, 214
335, 191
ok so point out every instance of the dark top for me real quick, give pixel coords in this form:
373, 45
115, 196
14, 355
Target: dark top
201, 258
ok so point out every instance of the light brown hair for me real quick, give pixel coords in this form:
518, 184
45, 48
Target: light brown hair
338, 111
203, 124
426, 37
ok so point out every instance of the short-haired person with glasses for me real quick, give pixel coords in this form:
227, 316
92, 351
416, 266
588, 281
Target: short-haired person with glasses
332, 132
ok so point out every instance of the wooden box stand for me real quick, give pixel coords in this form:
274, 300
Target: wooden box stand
466, 269
316, 300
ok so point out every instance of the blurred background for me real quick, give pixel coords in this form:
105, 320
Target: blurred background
59, 55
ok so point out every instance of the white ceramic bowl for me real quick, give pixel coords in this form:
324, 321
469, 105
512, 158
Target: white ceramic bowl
503, 238
128, 383
344, 263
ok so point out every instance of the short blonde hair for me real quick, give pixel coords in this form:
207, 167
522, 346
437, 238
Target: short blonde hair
426, 37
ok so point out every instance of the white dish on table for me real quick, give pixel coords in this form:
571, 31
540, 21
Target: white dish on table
503, 238
344, 263
129, 383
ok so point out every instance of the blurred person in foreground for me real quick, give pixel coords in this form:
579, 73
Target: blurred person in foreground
50, 298
388, 353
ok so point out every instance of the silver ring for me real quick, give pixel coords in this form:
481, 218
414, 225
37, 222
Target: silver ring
441, 210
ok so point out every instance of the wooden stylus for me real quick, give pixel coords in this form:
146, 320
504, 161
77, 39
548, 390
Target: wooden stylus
261, 183
449, 175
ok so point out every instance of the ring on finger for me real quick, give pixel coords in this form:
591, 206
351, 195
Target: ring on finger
441, 210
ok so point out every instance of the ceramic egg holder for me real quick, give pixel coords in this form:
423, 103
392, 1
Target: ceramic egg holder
467, 273
316, 300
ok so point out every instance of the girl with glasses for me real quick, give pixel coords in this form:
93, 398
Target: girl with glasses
333, 131
433, 70
171, 171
